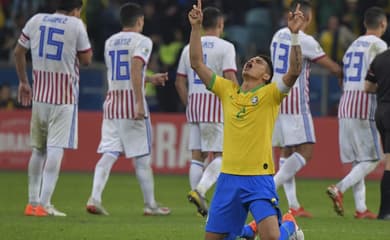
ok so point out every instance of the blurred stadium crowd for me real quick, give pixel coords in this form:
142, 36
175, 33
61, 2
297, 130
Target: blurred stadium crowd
249, 24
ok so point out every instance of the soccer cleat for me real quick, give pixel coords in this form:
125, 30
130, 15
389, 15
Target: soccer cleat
52, 211
156, 211
29, 210
337, 198
298, 234
300, 212
40, 211
199, 201
365, 215
95, 207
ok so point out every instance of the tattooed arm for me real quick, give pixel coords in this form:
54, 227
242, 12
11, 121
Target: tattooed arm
295, 22
295, 66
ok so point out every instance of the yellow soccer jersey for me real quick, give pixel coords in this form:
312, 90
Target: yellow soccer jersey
249, 119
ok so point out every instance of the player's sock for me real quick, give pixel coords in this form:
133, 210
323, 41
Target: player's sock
209, 176
290, 189
358, 172
35, 168
359, 195
145, 178
247, 232
102, 172
287, 229
195, 172
50, 173
384, 208
292, 165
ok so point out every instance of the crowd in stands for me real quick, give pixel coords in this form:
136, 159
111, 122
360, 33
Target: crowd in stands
249, 24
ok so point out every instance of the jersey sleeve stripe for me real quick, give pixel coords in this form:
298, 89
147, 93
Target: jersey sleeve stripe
141, 58
85, 50
318, 58
181, 74
230, 70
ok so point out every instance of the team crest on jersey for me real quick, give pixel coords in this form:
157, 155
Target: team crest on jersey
145, 51
255, 100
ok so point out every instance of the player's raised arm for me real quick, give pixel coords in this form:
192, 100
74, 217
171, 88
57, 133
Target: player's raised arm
295, 22
195, 16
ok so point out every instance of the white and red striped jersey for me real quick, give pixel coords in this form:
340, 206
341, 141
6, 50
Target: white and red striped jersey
54, 40
297, 101
355, 102
119, 50
220, 56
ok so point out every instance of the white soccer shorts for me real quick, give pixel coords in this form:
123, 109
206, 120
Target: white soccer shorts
359, 140
128, 136
292, 130
207, 137
53, 126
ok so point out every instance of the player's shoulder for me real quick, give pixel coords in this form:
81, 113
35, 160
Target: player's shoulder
306, 38
283, 33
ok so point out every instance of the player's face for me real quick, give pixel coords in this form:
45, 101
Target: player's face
256, 68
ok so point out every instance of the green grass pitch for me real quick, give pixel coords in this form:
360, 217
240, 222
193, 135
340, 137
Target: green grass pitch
122, 198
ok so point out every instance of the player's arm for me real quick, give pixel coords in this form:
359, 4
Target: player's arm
195, 17
157, 79
370, 85
181, 87
295, 22
24, 89
136, 76
85, 57
332, 66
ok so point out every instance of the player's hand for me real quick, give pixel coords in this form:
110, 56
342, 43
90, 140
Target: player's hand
159, 79
140, 112
195, 16
296, 20
24, 94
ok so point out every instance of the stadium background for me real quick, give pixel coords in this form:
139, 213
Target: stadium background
249, 25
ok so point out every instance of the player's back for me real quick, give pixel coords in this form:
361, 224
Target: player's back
297, 100
355, 103
54, 40
219, 55
119, 50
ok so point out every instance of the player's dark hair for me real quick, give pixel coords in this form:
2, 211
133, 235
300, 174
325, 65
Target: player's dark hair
270, 66
210, 17
69, 5
305, 6
373, 17
129, 13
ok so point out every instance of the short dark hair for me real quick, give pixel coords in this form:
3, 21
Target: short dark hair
373, 17
69, 5
305, 6
210, 17
270, 66
129, 13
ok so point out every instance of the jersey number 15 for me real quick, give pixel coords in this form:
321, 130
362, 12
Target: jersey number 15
49, 41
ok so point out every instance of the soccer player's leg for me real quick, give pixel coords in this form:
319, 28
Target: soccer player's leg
197, 159
227, 213
101, 175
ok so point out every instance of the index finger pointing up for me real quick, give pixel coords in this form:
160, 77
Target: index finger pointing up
200, 4
297, 9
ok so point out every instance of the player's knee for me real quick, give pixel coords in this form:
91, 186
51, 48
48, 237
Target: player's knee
142, 163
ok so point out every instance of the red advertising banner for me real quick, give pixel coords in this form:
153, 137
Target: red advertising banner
169, 151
